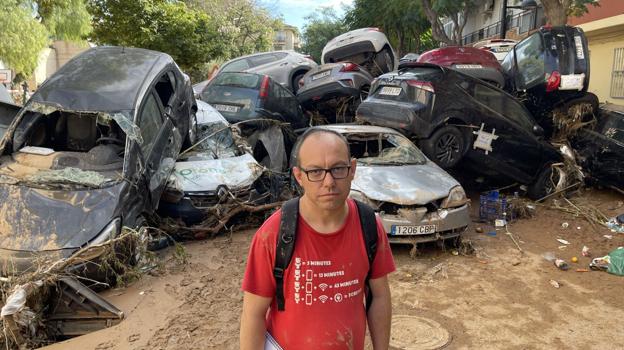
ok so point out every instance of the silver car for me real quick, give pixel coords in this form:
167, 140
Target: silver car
416, 200
335, 90
285, 67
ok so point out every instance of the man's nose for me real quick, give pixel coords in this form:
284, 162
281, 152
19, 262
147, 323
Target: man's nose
329, 179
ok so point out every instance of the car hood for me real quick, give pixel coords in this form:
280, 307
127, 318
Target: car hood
207, 175
41, 220
403, 185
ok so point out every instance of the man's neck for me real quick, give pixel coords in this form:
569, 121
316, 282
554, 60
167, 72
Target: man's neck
321, 220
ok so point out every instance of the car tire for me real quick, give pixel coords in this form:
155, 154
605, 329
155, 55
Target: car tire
295, 82
191, 135
384, 60
544, 184
355, 103
446, 146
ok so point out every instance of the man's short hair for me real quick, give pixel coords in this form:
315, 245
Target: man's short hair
316, 130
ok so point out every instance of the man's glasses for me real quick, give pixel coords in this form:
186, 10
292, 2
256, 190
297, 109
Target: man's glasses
318, 175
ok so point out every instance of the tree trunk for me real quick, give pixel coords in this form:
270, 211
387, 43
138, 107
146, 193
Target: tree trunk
437, 30
556, 11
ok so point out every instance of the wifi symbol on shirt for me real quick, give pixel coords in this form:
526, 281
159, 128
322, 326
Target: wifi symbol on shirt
323, 286
323, 298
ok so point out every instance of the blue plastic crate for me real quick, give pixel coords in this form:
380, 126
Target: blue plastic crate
494, 206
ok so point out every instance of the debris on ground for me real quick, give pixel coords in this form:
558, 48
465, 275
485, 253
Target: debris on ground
612, 263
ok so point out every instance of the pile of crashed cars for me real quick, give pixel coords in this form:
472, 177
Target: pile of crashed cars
119, 137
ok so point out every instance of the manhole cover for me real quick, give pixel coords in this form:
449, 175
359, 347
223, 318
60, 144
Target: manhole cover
417, 333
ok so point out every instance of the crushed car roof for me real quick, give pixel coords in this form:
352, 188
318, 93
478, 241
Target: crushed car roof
102, 79
354, 128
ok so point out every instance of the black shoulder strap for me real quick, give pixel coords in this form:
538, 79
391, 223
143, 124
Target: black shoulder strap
369, 230
285, 246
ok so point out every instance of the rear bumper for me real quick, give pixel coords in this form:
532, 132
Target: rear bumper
399, 116
449, 223
325, 92
347, 51
485, 73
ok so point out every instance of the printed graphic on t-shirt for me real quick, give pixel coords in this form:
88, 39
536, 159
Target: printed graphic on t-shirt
319, 281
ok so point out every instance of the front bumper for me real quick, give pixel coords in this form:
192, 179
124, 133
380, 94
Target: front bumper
449, 223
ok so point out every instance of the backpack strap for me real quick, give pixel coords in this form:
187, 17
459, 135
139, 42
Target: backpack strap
368, 221
285, 246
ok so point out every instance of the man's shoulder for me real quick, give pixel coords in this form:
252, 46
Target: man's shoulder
270, 228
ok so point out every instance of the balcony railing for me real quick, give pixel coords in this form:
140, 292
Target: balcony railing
524, 21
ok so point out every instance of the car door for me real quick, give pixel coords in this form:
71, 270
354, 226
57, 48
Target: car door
158, 146
272, 64
514, 150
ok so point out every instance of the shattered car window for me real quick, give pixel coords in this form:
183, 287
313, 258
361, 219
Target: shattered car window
530, 58
215, 142
384, 149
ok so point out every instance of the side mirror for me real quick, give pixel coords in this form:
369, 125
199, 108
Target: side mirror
538, 130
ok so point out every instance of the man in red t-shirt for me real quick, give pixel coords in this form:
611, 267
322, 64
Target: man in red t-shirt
324, 282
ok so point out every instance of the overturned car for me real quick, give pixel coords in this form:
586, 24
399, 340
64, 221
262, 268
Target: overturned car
90, 153
417, 200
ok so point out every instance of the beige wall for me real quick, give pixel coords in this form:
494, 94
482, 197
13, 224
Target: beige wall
604, 36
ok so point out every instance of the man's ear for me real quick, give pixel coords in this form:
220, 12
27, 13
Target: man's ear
298, 174
353, 166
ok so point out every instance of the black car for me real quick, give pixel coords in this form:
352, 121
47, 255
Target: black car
90, 153
548, 70
453, 115
601, 147
248, 97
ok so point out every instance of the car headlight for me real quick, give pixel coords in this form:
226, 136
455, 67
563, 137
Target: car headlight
359, 196
456, 198
110, 231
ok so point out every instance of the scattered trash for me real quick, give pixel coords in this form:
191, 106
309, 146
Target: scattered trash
582, 270
500, 223
601, 263
560, 263
562, 241
562, 247
554, 283
492, 234
565, 225
479, 229
607, 236
585, 251
578, 227
455, 252
615, 225
493, 206
574, 259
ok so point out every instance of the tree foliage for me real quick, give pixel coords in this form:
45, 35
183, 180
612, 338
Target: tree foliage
403, 21
28, 25
319, 28
558, 11
456, 11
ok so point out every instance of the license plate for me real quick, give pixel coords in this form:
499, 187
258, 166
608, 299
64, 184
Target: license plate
321, 75
578, 42
502, 49
226, 108
405, 230
572, 82
391, 91
469, 66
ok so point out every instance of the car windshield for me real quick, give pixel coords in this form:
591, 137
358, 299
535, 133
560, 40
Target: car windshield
530, 59
244, 80
215, 141
384, 149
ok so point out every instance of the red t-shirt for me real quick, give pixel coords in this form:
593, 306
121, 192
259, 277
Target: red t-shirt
323, 284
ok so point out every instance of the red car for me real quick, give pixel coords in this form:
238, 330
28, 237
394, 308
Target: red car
478, 63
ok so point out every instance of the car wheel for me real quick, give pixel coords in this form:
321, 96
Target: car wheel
295, 82
446, 146
355, 103
191, 136
384, 60
545, 184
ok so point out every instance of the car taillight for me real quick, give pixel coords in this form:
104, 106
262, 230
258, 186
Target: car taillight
264, 87
423, 85
350, 67
552, 81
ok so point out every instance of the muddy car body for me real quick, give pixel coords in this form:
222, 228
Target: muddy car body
499, 47
89, 153
333, 86
246, 97
601, 147
367, 47
478, 63
218, 170
550, 69
416, 200
452, 115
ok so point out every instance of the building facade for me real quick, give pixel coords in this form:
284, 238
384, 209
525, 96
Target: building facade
286, 38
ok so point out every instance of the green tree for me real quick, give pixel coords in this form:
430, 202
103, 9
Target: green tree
191, 37
28, 25
557, 11
403, 21
456, 11
319, 28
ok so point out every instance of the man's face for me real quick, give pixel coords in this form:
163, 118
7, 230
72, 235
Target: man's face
324, 151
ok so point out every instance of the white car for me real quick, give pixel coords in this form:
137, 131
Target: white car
499, 47
367, 47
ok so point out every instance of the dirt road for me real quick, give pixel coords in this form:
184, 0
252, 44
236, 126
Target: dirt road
496, 298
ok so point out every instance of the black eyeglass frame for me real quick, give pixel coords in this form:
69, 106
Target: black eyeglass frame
325, 171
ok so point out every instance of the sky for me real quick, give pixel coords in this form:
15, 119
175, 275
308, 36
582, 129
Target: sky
294, 11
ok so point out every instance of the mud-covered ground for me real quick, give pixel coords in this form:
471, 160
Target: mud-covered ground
495, 298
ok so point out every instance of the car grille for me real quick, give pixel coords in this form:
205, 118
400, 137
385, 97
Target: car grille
210, 200
393, 209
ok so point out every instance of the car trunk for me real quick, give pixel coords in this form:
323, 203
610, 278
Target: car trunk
234, 103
